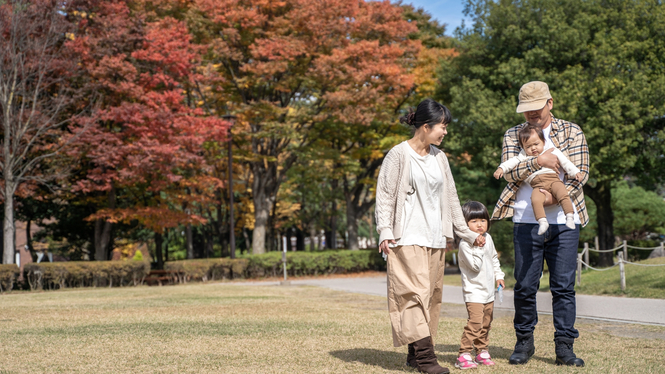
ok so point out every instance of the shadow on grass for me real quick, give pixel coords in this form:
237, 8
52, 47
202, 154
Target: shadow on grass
447, 353
383, 359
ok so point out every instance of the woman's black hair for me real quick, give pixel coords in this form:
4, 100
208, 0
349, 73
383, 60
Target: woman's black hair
475, 210
428, 112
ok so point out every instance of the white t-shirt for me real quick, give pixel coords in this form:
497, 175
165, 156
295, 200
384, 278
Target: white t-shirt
523, 212
422, 208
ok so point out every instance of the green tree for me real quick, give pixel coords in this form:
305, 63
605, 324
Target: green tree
605, 64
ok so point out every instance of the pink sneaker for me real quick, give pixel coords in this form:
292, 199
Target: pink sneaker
484, 359
465, 362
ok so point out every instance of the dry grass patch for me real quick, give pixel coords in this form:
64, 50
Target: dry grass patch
234, 328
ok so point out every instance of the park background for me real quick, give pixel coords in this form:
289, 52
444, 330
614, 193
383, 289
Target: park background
118, 116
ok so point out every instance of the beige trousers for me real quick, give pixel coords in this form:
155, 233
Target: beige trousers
415, 287
477, 329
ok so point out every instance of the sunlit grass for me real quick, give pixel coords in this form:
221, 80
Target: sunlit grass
236, 328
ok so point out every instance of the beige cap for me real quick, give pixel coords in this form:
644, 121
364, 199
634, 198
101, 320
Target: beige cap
533, 96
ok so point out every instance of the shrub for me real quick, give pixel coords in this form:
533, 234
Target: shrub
270, 264
138, 256
52, 275
8, 275
314, 263
207, 269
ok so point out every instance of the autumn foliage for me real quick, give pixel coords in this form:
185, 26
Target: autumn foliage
303, 79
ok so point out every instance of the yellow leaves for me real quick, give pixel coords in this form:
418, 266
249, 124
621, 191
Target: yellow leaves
70, 36
76, 13
425, 72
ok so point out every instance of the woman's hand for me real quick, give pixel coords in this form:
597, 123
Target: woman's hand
579, 177
480, 241
500, 282
383, 247
498, 173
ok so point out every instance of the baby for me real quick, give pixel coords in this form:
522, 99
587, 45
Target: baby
532, 141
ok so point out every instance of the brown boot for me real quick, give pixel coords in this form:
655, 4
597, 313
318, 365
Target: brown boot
411, 357
426, 358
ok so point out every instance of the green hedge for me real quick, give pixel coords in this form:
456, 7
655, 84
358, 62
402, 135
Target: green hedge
314, 263
56, 275
270, 265
52, 275
8, 275
208, 269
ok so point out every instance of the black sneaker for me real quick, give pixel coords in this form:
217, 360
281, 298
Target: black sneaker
565, 354
524, 349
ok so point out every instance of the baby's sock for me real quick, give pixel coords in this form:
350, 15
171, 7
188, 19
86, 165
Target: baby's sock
542, 226
570, 221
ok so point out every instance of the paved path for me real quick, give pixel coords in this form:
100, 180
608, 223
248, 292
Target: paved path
606, 308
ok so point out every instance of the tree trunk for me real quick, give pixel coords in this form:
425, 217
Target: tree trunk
103, 231
602, 196
262, 206
300, 240
248, 243
159, 240
166, 247
188, 244
352, 225
28, 237
8, 230
313, 238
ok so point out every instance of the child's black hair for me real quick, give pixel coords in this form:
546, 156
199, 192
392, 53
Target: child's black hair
475, 210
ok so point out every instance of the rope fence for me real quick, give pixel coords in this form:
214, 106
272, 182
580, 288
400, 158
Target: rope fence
622, 256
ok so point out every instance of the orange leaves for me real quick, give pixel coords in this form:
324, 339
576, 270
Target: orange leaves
154, 218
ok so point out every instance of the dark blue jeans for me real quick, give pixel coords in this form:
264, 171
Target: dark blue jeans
558, 246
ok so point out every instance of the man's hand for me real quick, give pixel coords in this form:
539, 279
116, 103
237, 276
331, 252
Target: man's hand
383, 247
548, 160
499, 282
548, 198
579, 177
498, 173
480, 241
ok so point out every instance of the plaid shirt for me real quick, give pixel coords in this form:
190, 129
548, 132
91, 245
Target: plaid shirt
569, 139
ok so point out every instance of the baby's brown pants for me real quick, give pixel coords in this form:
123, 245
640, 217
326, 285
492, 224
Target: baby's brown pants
551, 183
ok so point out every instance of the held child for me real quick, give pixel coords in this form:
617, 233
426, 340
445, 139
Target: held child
532, 141
480, 271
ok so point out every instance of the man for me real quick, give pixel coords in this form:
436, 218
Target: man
558, 246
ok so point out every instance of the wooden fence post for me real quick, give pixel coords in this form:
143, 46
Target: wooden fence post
586, 255
579, 268
625, 250
595, 242
622, 272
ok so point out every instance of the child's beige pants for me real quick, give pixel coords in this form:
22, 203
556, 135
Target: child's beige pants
415, 287
477, 329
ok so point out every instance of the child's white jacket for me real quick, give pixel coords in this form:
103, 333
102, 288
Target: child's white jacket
480, 270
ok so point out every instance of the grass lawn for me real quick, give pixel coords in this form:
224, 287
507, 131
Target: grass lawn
238, 328
641, 281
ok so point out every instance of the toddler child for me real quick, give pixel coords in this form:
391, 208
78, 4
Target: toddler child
480, 271
532, 141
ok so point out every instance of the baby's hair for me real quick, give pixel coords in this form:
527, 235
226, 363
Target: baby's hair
526, 132
475, 210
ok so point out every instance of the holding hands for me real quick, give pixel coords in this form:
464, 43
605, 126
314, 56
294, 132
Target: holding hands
498, 173
383, 247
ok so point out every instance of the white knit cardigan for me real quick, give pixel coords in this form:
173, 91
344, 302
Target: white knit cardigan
392, 188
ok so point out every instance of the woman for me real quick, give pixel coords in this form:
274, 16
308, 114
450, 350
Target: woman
416, 209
